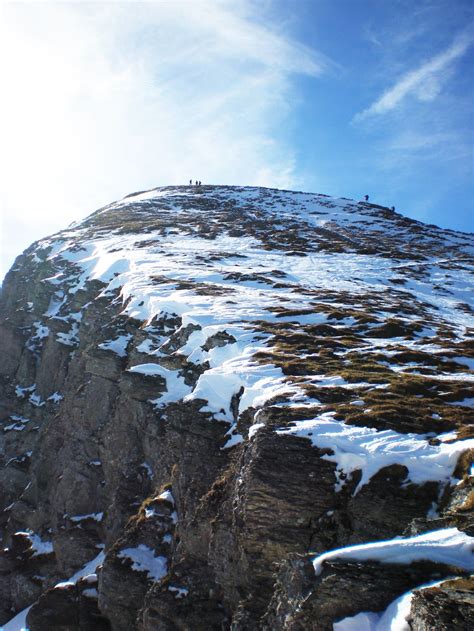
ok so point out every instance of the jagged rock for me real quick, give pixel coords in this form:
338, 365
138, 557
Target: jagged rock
138, 559
304, 601
264, 517
187, 599
447, 607
69, 608
30, 569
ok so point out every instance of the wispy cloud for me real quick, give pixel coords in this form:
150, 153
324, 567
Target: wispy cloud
424, 82
104, 98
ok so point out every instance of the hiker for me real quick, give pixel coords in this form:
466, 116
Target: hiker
190, 182
366, 197
199, 182
392, 209
196, 183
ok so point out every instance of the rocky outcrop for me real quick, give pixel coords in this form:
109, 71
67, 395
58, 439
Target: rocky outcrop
343, 590
447, 607
69, 608
202, 390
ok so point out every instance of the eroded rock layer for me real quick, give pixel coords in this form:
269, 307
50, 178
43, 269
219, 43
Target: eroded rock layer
205, 389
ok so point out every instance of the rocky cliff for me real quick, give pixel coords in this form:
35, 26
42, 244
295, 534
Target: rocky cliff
238, 408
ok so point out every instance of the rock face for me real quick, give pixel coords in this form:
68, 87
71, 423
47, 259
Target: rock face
204, 388
447, 607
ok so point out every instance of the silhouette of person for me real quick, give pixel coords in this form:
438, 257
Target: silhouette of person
190, 182
366, 197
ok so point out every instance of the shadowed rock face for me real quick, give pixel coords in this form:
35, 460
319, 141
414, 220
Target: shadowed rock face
343, 590
447, 607
217, 384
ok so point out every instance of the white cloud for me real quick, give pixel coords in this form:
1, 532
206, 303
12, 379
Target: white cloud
424, 83
100, 99
411, 140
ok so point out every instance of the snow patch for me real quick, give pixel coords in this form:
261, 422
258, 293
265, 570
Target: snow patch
117, 345
449, 546
89, 569
179, 592
18, 623
394, 618
55, 397
176, 387
369, 450
38, 546
144, 560
95, 516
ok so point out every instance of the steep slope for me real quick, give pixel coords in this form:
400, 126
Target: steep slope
205, 389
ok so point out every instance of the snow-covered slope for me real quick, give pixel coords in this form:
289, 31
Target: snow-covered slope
282, 321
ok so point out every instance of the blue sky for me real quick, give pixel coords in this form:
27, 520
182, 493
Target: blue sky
343, 97
413, 148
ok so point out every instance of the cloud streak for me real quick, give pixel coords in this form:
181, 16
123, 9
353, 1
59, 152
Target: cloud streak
424, 83
107, 98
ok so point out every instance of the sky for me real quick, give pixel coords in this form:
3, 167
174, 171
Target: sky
342, 97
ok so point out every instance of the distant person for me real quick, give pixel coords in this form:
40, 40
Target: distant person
196, 183
190, 182
366, 197
199, 182
392, 209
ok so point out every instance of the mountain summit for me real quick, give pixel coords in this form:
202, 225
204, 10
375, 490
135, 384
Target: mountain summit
238, 408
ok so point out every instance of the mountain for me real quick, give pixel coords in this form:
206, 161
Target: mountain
238, 408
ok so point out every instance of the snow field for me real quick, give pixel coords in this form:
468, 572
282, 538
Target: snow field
119, 261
